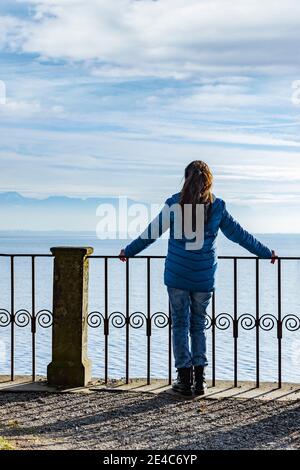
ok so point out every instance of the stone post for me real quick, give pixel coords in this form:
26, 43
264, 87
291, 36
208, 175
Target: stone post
70, 365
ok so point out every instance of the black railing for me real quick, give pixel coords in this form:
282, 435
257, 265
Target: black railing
103, 318
129, 320
23, 317
215, 321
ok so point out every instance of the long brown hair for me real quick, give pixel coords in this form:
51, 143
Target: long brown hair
197, 187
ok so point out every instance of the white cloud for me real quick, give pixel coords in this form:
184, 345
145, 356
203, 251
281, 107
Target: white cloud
165, 37
221, 97
20, 107
12, 32
219, 134
2, 92
283, 172
78, 127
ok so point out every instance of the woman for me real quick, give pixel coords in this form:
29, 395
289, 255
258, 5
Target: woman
190, 273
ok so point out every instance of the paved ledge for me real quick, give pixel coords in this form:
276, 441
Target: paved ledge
224, 389
128, 420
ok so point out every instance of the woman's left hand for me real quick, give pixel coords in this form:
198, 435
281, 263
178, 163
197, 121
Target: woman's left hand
122, 256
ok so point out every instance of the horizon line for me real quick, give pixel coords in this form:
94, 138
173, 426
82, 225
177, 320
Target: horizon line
20, 231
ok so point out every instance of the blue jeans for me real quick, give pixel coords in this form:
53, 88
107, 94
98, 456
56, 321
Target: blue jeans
188, 313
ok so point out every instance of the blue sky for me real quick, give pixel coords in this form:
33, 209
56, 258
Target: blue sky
108, 98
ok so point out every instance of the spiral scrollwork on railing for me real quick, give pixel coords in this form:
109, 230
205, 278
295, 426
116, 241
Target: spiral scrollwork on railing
224, 321
291, 322
95, 319
117, 319
247, 321
160, 319
208, 322
44, 318
5, 317
137, 320
267, 322
23, 318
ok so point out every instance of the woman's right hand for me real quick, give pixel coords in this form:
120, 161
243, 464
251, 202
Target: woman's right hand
122, 256
274, 257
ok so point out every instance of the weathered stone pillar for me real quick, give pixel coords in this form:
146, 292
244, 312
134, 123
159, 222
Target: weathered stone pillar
70, 365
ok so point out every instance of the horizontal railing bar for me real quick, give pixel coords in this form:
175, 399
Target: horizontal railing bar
256, 257
48, 255
29, 255
219, 257
117, 257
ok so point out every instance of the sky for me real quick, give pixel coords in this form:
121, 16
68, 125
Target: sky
114, 98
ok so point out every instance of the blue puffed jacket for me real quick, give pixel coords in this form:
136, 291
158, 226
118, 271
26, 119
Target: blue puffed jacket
194, 270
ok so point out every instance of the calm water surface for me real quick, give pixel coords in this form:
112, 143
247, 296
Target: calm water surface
285, 245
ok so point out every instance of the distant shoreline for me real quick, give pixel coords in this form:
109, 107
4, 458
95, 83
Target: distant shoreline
93, 232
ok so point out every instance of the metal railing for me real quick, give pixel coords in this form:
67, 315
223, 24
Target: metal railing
215, 321
129, 320
12, 318
24, 317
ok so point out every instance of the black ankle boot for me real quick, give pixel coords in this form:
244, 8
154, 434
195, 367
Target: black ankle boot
200, 384
183, 382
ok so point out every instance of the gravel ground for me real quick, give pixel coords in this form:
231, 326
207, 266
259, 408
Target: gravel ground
130, 420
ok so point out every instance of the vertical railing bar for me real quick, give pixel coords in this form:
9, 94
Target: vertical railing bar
106, 319
148, 320
12, 313
279, 329
33, 319
235, 322
127, 321
170, 345
213, 346
257, 313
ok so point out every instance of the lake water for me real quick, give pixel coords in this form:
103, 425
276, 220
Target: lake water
285, 245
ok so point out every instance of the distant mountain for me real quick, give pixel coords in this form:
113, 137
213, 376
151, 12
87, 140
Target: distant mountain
52, 213
13, 197
56, 213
